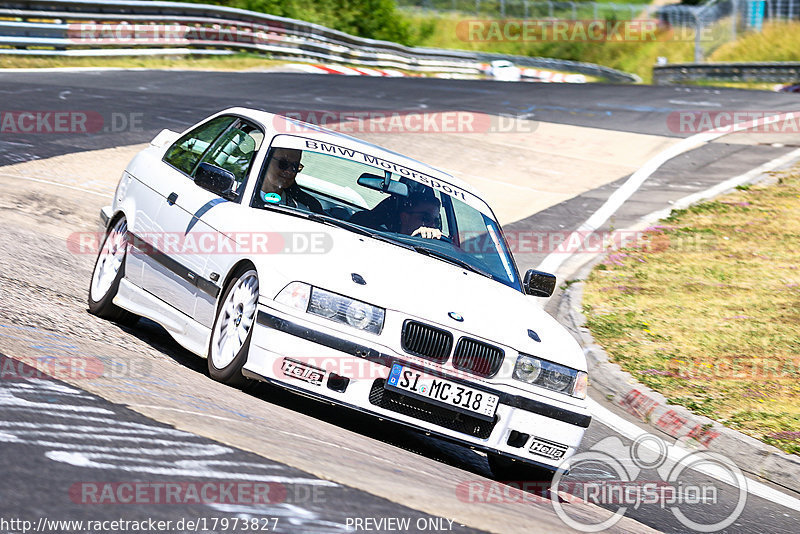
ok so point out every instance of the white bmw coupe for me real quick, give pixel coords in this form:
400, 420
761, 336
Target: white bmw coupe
284, 252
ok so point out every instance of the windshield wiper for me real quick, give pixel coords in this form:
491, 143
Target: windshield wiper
454, 261
325, 219
331, 221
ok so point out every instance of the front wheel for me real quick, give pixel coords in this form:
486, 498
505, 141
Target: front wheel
233, 329
108, 272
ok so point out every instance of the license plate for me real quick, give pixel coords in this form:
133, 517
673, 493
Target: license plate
548, 449
443, 392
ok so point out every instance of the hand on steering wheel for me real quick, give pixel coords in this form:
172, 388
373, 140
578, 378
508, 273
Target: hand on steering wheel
427, 233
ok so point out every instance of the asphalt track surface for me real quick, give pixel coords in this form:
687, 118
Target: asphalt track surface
35, 486
45, 419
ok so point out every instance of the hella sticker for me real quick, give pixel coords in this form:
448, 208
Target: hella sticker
548, 449
301, 371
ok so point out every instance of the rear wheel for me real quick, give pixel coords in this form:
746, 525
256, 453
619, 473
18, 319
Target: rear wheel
507, 470
108, 272
233, 329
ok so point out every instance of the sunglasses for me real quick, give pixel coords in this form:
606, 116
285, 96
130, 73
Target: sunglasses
425, 216
285, 164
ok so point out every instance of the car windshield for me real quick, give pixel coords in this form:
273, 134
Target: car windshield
393, 202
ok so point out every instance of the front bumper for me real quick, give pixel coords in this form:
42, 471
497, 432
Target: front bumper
350, 372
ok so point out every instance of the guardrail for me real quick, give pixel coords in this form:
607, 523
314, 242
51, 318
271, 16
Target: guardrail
779, 72
92, 27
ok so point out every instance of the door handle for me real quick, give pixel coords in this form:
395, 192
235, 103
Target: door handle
172, 198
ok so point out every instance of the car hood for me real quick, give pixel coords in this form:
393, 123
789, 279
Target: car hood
413, 284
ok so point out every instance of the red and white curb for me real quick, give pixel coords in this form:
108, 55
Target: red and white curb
346, 71
538, 75
549, 76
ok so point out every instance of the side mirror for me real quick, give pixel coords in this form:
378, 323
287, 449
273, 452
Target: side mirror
384, 184
215, 179
539, 284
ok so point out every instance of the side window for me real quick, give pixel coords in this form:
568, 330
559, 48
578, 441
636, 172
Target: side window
186, 152
235, 150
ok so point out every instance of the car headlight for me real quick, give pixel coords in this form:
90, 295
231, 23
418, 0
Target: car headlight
333, 306
346, 310
552, 376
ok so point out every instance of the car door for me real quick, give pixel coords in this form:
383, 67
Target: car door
179, 274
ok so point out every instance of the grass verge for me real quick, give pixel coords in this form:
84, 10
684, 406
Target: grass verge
706, 310
229, 62
779, 41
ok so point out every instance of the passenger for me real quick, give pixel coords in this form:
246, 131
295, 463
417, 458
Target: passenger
279, 186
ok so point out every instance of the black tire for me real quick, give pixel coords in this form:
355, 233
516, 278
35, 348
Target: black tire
104, 306
505, 469
231, 372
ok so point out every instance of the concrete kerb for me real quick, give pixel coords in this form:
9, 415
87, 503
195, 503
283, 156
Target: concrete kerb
652, 408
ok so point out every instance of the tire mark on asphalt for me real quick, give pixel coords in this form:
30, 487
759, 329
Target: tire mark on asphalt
66, 440
79, 430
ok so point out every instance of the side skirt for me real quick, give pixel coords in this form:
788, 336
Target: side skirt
185, 330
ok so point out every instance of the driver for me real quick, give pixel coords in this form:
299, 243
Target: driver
414, 215
279, 186
419, 215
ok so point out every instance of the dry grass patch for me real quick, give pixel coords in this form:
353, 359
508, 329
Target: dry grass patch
706, 310
231, 62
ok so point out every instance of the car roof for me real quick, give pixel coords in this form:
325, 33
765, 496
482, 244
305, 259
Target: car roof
325, 135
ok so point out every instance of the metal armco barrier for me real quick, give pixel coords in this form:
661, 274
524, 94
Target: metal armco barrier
90, 27
779, 72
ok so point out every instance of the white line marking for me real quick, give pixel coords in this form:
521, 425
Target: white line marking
183, 411
182, 468
555, 260
633, 431
687, 103
175, 449
48, 182
722, 187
